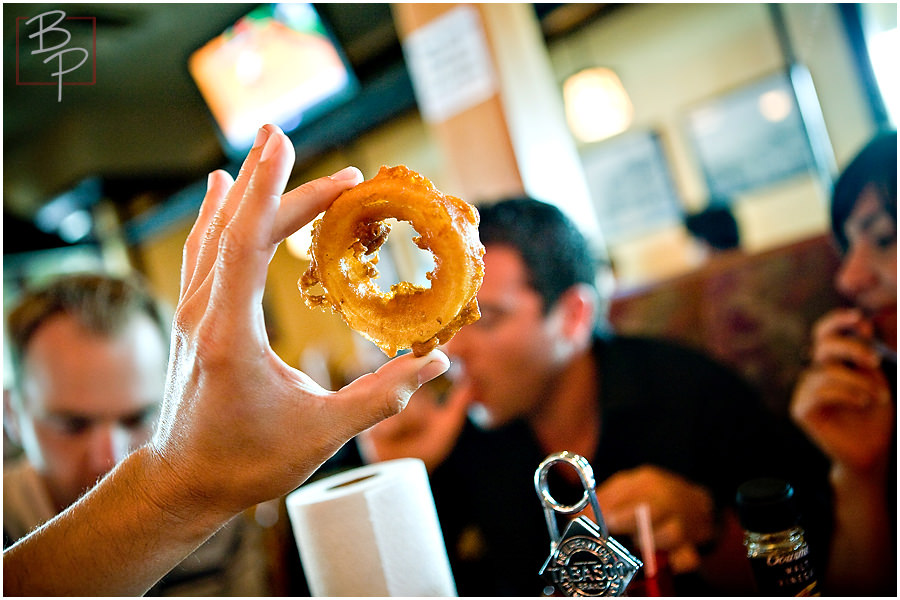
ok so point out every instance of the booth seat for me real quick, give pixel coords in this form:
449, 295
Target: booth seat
753, 312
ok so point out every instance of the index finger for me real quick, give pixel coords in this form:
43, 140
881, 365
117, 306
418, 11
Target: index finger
300, 205
207, 250
244, 249
841, 321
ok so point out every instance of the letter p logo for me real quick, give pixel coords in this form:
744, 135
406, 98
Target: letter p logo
48, 37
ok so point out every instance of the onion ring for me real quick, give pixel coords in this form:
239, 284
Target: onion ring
345, 241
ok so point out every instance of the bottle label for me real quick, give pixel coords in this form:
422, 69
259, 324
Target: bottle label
785, 573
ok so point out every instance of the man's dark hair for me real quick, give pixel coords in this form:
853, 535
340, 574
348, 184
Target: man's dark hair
875, 166
715, 225
556, 254
100, 303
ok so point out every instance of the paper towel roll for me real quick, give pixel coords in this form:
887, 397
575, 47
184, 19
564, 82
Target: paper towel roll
371, 531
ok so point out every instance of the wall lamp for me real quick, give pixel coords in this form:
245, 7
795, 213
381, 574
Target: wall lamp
597, 105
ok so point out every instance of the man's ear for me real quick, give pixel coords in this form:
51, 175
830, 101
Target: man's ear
11, 418
578, 308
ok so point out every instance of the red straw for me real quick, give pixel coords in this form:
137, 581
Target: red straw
645, 539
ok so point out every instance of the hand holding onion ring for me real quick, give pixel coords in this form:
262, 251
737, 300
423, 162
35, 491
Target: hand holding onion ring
344, 245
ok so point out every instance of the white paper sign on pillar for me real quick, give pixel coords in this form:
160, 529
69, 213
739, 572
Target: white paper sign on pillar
450, 64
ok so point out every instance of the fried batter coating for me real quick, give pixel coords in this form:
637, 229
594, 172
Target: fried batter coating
345, 241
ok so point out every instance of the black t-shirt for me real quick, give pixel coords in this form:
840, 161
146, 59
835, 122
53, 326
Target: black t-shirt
661, 404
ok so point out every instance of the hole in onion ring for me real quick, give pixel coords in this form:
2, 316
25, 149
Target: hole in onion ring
354, 228
405, 261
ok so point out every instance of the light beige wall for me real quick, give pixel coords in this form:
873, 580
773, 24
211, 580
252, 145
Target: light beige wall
821, 44
160, 260
671, 57
668, 56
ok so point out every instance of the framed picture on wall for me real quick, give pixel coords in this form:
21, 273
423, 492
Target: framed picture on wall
631, 185
750, 137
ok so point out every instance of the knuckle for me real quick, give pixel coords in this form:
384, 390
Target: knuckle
392, 403
380, 399
216, 224
316, 186
211, 353
190, 243
182, 319
231, 246
318, 189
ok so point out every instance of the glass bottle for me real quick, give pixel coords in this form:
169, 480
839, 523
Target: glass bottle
775, 542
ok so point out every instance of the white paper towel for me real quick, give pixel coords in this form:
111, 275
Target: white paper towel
371, 531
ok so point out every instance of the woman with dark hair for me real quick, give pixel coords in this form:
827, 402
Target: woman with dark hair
846, 399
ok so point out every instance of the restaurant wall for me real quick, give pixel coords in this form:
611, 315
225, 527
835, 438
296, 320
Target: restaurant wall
669, 57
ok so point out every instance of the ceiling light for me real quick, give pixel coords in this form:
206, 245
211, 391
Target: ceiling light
775, 105
597, 105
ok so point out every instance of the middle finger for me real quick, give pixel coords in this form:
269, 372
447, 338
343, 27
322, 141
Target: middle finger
219, 183
210, 245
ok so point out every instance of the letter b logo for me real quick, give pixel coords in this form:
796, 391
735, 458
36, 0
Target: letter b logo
47, 52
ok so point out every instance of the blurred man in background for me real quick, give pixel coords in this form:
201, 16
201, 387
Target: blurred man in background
661, 425
90, 355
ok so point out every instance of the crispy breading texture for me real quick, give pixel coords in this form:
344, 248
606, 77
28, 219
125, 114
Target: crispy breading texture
350, 232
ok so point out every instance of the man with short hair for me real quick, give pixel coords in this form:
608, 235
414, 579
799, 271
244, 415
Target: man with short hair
662, 425
90, 354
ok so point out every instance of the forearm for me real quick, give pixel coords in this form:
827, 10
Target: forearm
862, 559
120, 539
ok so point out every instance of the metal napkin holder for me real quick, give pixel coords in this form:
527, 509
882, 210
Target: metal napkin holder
584, 560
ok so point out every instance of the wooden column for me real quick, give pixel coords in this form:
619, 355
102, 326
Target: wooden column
510, 136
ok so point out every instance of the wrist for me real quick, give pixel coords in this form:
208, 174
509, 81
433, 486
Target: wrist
118, 539
852, 479
177, 499
857, 492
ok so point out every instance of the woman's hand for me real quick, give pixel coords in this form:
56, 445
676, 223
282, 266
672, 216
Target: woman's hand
843, 401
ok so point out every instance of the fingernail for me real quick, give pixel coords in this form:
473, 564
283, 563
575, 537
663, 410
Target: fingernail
347, 174
261, 136
271, 144
209, 181
438, 365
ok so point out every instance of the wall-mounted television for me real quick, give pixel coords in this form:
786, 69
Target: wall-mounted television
277, 64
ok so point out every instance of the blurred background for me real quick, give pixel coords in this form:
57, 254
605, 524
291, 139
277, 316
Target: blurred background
695, 143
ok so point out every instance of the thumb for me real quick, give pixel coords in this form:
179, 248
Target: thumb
300, 205
379, 395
